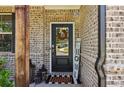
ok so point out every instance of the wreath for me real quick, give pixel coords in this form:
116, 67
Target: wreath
62, 34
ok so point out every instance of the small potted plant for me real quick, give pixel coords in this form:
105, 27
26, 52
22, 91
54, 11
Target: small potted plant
5, 75
4, 78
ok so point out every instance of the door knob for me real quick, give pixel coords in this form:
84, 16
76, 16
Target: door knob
53, 49
52, 46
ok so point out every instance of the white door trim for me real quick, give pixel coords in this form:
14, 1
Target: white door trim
73, 23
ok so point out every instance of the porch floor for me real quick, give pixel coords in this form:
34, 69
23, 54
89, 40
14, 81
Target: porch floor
55, 85
43, 84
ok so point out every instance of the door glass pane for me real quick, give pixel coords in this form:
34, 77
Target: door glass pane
62, 42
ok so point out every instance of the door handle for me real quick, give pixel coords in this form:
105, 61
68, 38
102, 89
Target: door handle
52, 46
53, 49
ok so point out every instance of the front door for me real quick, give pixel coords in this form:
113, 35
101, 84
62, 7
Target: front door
62, 47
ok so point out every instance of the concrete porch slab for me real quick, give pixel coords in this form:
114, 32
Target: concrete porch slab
55, 85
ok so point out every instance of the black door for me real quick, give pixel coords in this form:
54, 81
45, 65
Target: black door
62, 47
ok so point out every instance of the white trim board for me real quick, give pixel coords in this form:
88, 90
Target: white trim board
73, 23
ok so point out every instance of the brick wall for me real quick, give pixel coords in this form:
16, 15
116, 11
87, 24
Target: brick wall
114, 46
7, 9
36, 35
89, 44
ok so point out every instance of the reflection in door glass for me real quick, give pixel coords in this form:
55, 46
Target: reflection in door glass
62, 45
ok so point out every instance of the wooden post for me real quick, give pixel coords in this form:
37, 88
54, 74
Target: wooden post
22, 46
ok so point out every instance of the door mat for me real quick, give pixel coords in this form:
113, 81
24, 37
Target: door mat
60, 79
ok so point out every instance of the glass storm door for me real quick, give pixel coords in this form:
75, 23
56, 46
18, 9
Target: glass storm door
62, 47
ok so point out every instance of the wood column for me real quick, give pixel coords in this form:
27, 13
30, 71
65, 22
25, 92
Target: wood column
22, 46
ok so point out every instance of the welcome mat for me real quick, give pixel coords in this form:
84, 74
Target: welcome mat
60, 79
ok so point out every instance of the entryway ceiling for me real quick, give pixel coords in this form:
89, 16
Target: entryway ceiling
62, 6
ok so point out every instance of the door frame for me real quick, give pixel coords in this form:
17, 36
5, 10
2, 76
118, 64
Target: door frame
73, 23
